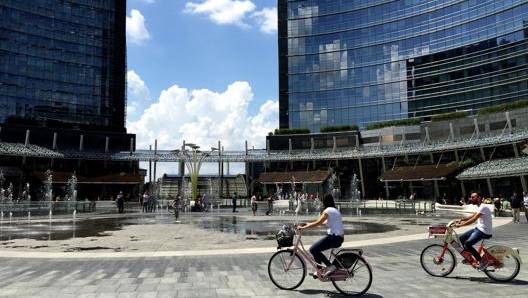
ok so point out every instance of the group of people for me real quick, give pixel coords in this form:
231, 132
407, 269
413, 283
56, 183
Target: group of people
147, 202
515, 203
254, 205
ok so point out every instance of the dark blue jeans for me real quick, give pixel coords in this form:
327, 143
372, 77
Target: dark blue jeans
327, 242
470, 238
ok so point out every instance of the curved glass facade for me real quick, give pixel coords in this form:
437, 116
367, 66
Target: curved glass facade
63, 62
345, 62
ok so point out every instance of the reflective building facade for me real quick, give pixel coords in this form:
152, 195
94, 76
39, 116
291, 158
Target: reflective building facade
63, 61
63, 88
345, 62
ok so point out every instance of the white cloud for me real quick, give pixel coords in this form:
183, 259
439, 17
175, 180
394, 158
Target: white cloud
137, 93
223, 11
136, 31
205, 117
267, 19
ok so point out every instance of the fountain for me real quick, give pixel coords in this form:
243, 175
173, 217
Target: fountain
333, 187
48, 189
355, 194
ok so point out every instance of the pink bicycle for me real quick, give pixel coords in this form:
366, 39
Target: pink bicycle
287, 267
439, 260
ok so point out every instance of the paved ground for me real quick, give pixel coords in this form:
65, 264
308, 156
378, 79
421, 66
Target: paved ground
233, 272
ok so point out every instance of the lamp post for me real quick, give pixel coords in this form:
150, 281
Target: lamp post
193, 160
220, 168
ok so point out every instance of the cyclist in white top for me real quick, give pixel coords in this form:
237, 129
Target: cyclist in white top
335, 234
481, 231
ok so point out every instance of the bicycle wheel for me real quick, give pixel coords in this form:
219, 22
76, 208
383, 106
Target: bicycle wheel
435, 264
359, 275
286, 269
507, 271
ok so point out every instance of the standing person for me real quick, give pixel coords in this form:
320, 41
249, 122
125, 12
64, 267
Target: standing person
498, 207
515, 203
525, 203
481, 231
120, 200
335, 235
234, 199
254, 204
270, 205
145, 201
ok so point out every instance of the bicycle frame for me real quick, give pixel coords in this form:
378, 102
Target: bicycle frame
492, 255
298, 249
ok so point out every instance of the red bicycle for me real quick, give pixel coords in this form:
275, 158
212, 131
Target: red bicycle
439, 260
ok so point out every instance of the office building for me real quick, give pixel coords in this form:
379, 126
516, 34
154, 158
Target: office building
63, 89
365, 61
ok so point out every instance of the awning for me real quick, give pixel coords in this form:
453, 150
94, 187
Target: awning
297, 177
508, 167
419, 173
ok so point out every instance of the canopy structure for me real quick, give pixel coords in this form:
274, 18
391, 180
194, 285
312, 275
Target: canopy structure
508, 167
419, 173
115, 178
293, 177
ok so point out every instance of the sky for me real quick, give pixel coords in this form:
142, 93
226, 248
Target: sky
202, 71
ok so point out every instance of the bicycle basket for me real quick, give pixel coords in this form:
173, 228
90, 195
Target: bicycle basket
285, 237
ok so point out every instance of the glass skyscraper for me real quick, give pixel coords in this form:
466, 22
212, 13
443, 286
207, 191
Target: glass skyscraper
344, 62
63, 88
63, 62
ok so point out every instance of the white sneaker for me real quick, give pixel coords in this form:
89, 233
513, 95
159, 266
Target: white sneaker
483, 265
329, 270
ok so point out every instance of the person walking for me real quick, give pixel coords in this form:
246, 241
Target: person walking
254, 204
270, 205
525, 203
515, 202
234, 199
120, 201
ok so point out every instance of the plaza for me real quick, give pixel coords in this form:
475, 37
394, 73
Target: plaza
194, 262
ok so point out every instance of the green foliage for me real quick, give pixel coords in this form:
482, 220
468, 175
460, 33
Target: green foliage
400, 122
503, 107
450, 116
292, 131
462, 164
339, 128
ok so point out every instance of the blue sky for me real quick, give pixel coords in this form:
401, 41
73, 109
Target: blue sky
202, 71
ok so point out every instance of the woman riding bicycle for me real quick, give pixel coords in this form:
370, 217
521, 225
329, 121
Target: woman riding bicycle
482, 230
335, 234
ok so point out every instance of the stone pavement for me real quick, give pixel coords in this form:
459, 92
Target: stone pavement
243, 272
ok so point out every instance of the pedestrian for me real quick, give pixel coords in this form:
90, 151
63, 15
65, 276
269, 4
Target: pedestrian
254, 204
270, 205
234, 199
120, 201
498, 206
145, 201
515, 203
525, 203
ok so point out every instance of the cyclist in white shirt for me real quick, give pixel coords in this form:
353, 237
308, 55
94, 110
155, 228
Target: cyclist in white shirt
481, 231
334, 236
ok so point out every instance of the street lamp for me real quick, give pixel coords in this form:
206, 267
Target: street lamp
220, 168
193, 160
